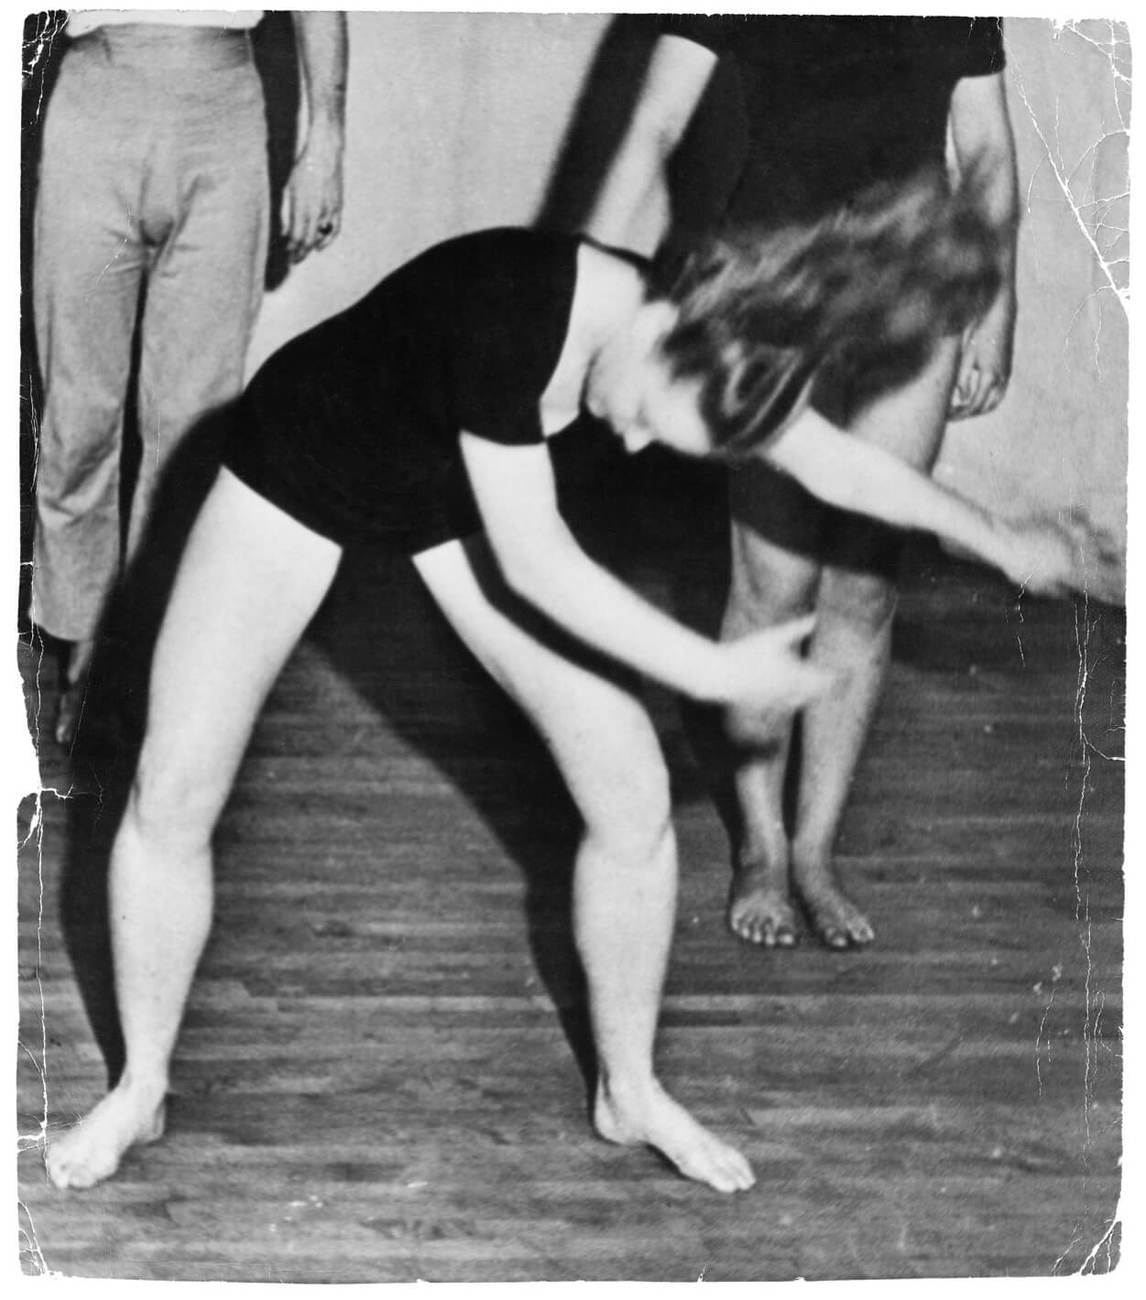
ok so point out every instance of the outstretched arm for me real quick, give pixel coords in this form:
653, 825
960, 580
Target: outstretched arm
632, 207
1047, 556
312, 201
985, 148
542, 562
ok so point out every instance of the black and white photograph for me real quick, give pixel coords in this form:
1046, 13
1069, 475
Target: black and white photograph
569, 720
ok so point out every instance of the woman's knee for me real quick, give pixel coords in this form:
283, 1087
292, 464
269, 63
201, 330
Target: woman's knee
174, 802
633, 847
635, 824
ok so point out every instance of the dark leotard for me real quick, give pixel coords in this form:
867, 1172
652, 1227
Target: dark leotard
835, 104
353, 427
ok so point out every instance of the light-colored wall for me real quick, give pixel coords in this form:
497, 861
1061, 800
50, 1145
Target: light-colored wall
457, 120
1060, 438
454, 123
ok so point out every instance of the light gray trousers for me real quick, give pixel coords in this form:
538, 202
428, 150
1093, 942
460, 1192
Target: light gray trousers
152, 212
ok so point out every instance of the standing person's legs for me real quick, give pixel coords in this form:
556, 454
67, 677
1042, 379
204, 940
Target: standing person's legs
855, 599
625, 881
207, 218
852, 639
88, 263
249, 582
775, 572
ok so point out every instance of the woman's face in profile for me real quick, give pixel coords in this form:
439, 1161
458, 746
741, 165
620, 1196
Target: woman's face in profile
662, 409
666, 410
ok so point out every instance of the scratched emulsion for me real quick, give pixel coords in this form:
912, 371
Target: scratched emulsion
890, 1099
1091, 174
41, 34
42, 37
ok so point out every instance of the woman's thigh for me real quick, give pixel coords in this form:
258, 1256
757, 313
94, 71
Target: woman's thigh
908, 422
590, 717
776, 528
250, 580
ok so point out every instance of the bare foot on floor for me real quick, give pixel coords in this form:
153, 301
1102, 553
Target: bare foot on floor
91, 1151
759, 909
833, 916
658, 1121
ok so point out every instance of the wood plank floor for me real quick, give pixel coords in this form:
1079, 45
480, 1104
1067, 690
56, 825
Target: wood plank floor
379, 1074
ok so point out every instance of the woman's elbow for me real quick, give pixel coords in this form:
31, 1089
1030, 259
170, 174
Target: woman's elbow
653, 136
524, 568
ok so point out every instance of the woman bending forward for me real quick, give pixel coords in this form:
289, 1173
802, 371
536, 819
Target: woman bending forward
419, 419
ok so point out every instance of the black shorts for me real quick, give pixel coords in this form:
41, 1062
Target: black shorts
294, 460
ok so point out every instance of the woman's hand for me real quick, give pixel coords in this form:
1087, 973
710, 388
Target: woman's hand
985, 363
765, 672
1054, 556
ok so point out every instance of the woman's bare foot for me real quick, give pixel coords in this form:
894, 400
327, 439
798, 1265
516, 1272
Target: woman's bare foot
759, 908
91, 1151
831, 913
655, 1120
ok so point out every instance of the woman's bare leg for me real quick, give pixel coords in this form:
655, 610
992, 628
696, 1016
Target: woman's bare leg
770, 584
625, 879
249, 582
855, 607
780, 539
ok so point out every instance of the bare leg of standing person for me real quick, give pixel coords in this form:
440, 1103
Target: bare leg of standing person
250, 581
624, 896
854, 601
855, 607
770, 584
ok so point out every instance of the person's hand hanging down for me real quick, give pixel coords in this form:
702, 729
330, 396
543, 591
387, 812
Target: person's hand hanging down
985, 364
312, 199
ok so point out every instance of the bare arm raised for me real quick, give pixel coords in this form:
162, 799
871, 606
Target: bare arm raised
632, 207
1046, 555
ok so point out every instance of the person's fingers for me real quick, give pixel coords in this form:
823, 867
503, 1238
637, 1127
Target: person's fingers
304, 234
987, 398
995, 388
286, 216
980, 386
794, 631
1080, 532
329, 224
1109, 548
805, 683
784, 688
1102, 568
963, 394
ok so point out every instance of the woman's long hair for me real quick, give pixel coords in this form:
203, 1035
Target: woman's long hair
860, 298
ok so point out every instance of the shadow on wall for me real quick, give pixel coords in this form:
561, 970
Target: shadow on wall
705, 165
276, 59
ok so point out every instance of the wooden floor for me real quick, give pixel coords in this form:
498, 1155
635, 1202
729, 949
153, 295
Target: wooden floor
379, 1075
